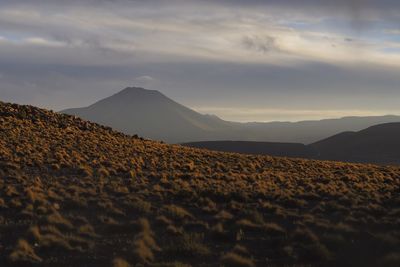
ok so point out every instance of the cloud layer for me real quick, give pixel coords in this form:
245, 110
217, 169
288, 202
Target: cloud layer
249, 55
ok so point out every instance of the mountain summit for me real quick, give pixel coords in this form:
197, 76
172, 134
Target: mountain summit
136, 93
153, 115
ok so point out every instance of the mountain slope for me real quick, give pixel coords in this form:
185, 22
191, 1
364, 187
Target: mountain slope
152, 115
74, 193
77, 193
378, 144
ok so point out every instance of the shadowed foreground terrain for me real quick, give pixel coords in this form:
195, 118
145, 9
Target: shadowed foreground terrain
73, 193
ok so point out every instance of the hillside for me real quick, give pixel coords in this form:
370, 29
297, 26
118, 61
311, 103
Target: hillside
258, 148
379, 144
151, 114
74, 193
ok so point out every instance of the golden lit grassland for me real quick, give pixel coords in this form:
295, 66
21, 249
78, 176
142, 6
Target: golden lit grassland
74, 193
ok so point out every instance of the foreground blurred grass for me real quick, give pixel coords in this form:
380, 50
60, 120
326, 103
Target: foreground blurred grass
74, 193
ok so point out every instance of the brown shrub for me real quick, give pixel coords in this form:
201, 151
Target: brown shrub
240, 250
177, 212
188, 245
57, 219
305, 236
87, 230
144, 243
273, 229
248, 225
23, 252
224, 215
119, 262
235, 260
140, 206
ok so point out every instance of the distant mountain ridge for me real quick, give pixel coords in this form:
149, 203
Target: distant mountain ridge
152, 115
292, 150
378, 144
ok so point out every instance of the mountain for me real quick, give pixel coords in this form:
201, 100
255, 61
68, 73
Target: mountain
153, 115
379, 144
75, 193
307, 132
376, 144
150, 114
292, 150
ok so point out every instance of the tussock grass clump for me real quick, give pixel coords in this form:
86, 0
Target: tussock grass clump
139, 205
119, 262
144, 243
87, 230
305, 236
240, 250
248, 225
188, 245
172, 264
219, 233
235, 260
51, 238
24, 253
177, 212
57, 219
274, 230
2, 203
224, 215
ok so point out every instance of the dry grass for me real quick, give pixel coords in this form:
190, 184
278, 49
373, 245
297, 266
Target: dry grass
74, 193
235, 260
118, 262
24, 253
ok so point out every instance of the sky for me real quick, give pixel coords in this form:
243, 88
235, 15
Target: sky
242, 60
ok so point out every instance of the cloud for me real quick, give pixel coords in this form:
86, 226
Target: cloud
262, 44
134, 27
123, 31
264, 52
392, 31
42, 42
144, 80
